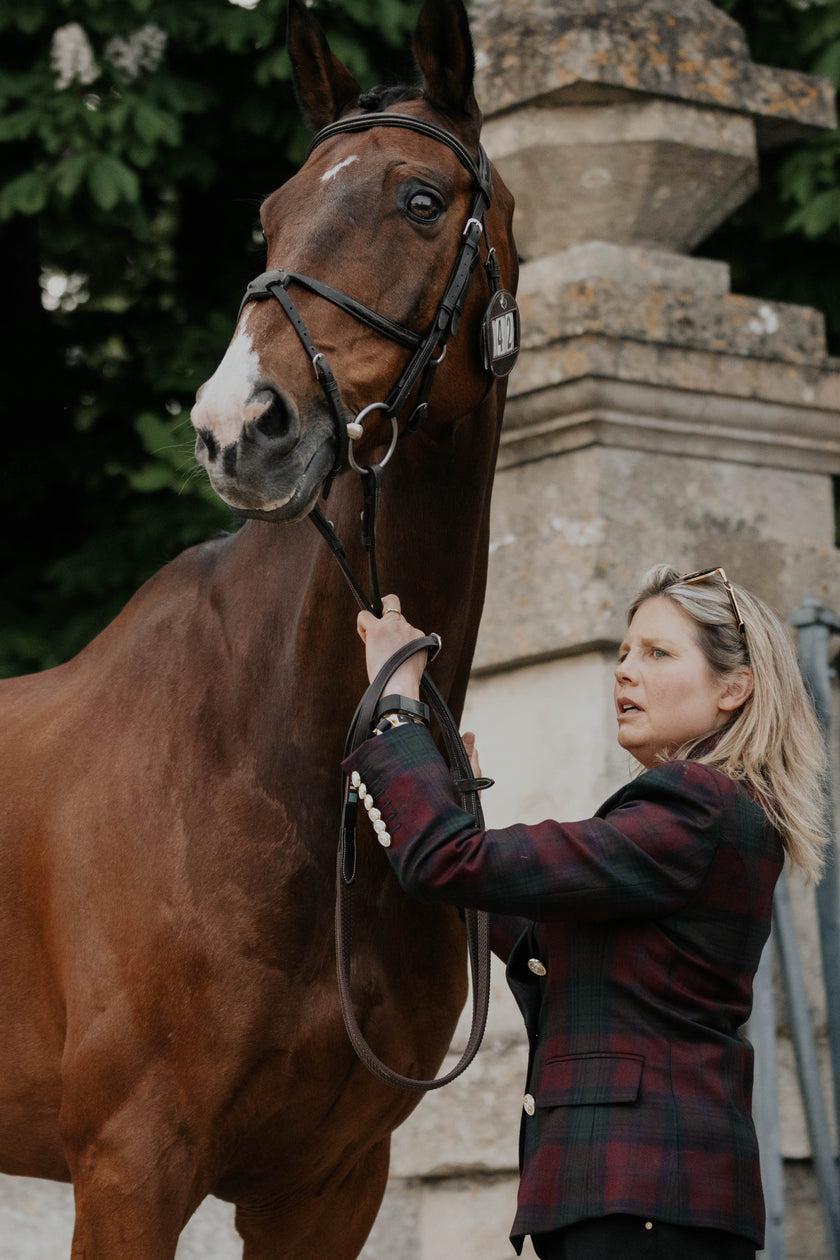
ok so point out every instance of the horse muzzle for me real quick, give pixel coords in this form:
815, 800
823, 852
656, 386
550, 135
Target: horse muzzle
260, 459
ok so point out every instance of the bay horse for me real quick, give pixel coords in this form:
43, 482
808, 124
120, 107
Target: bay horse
169, 798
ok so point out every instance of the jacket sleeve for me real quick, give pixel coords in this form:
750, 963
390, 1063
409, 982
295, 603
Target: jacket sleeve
645, 853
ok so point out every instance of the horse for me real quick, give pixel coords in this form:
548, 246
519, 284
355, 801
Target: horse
168, 797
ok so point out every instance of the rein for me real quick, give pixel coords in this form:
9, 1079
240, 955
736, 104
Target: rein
476, 922
500, 331
361, 728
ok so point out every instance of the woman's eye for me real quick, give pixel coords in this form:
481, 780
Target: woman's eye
424, 206
659, 653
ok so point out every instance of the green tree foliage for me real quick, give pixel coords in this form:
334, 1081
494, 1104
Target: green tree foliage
784, 243
137, 141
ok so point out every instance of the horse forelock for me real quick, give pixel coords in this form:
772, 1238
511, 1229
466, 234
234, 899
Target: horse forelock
383, 96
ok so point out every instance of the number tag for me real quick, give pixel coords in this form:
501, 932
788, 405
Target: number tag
500, 334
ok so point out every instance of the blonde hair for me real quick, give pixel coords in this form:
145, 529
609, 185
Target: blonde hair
772, 743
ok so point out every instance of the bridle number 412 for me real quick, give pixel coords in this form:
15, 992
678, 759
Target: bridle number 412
504, 335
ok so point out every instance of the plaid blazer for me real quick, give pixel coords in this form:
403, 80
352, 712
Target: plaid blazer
631, 939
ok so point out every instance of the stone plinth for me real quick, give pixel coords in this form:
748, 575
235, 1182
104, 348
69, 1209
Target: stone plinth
646, 172
630, 123
654, 416
558, 51
572, 536
653, 311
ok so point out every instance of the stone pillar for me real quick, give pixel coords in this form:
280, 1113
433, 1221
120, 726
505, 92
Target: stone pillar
653, 416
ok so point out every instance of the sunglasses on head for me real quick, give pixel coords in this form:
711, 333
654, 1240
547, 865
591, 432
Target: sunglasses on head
703, 575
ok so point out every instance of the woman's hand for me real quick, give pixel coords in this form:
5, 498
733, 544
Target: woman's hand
472, 752
381, 637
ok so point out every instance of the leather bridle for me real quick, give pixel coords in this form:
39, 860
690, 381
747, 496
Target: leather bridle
427, 348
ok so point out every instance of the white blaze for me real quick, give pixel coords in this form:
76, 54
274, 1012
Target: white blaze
223, 406
333, 171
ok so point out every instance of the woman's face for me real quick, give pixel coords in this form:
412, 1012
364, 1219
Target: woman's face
665, 692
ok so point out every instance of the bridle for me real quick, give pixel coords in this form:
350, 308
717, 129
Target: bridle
428, 350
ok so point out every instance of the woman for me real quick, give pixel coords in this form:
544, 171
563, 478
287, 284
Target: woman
632, 938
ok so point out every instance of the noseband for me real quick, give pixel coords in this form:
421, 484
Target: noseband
424, 359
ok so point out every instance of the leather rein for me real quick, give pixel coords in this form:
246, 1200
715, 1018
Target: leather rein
428, 350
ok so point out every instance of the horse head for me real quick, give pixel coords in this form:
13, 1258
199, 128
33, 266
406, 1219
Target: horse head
384, 223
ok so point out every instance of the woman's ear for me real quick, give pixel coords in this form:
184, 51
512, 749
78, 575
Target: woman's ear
737, 691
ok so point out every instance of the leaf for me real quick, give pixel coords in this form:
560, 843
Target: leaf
153, 124
111, 181
68, 175
150, 478
155, 433
142, 155
19, 125
27, 194
27, 15
818, 215
828, 62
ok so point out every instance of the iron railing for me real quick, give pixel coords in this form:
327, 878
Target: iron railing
815, 625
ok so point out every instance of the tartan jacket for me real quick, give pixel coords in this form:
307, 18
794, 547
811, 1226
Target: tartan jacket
648, 922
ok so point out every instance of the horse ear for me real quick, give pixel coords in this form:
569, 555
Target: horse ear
443, 50
324, 87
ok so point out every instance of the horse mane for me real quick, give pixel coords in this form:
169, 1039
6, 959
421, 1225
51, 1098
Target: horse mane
383, 95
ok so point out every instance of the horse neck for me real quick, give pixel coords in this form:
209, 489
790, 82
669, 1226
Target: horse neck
432, 530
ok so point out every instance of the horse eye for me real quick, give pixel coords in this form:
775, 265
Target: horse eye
424, 206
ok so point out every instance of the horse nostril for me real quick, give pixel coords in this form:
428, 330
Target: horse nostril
206, 440
277, 418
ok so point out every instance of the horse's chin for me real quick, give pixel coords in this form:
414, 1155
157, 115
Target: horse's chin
285, 515
268, 501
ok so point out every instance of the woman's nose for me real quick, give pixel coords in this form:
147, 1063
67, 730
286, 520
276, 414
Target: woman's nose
625, 669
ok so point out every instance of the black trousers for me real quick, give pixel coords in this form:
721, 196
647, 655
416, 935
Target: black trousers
634, 1238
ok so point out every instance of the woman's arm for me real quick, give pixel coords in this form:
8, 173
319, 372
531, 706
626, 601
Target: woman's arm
646, 851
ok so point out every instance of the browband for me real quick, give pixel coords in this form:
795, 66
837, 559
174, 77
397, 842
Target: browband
363, 122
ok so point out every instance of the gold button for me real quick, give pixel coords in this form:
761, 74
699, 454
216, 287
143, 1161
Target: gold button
529, 1104
536, 966
648, 1224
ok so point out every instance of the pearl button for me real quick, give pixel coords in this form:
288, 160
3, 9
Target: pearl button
529, 1104
384, 839
355, 778
536, 966
648, 1224
375, 814
368, 801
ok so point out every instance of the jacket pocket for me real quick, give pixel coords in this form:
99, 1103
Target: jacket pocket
585, 1079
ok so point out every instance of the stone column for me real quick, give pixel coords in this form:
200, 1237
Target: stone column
653, 415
